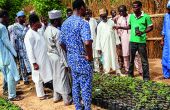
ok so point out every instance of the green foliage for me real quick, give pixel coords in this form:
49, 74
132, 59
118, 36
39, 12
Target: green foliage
12, 6
2, 3
134, 92
43, 6
6, 105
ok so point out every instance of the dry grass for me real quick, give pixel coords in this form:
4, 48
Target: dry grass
149, 6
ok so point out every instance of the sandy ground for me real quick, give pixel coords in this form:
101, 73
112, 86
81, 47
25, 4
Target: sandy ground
31, 102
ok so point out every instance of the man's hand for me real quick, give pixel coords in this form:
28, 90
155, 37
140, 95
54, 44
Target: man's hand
89, 50
16, 58
116, 27
88, 58
36, 66
68, 69
139, 33
100, 52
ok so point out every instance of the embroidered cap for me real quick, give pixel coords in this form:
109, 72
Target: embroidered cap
54, 14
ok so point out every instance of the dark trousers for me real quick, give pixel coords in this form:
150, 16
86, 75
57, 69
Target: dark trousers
141, 48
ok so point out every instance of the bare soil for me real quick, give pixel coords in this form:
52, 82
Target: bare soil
31, 102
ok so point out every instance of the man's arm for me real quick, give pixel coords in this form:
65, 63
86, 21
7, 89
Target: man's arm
89, 50
20, 34
29, 43
148, 29
63, 47
163, 31
86, 37
120, 27
149, 26
97, 44
62, 40
6, 41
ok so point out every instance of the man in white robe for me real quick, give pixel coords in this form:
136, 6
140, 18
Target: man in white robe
61, 85
37, 54
106, 42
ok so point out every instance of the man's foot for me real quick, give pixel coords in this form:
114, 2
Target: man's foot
44, 97
5, 93
56, 101
166, 78
26, 82
68, 103
141, 74
17, 98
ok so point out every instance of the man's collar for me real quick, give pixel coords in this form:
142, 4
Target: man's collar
142, 14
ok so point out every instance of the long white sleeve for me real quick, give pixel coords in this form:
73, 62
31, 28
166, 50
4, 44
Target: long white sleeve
98, 45
29, 44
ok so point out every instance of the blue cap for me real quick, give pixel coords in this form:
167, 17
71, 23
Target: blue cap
168, 5
20, 13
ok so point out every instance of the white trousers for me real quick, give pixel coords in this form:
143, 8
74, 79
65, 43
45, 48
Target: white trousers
39, 88
66, 97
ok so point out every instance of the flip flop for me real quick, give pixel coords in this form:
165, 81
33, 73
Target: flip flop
17, 98
44, 97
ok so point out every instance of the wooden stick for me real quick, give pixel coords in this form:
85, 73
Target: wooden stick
154, 38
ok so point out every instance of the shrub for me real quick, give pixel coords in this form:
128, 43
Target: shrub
6, 105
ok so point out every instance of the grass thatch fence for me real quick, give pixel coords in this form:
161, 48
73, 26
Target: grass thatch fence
149, 6
154, 38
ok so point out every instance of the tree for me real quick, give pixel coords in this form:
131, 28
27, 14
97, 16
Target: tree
12, 6
43, 6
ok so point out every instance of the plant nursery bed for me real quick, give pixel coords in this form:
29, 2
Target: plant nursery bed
125, 93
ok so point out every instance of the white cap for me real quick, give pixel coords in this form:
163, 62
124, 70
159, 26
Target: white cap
168, 4
54, 14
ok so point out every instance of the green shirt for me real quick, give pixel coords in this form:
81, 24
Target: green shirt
142, 22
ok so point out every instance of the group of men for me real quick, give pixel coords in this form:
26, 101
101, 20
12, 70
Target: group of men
122, 37
56, 51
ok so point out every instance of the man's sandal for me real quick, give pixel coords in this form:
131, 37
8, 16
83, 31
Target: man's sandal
56, 101
68, 103
44, 97
17, 98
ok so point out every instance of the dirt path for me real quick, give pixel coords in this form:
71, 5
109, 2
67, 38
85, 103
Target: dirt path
31, 102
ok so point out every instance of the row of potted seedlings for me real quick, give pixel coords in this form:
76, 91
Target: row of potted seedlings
125, 93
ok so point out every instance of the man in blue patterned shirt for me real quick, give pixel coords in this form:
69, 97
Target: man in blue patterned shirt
19, 31
76, 40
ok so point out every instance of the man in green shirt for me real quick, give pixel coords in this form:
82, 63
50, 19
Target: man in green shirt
140, 23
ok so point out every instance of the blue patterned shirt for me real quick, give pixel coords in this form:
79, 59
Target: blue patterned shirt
74, 32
